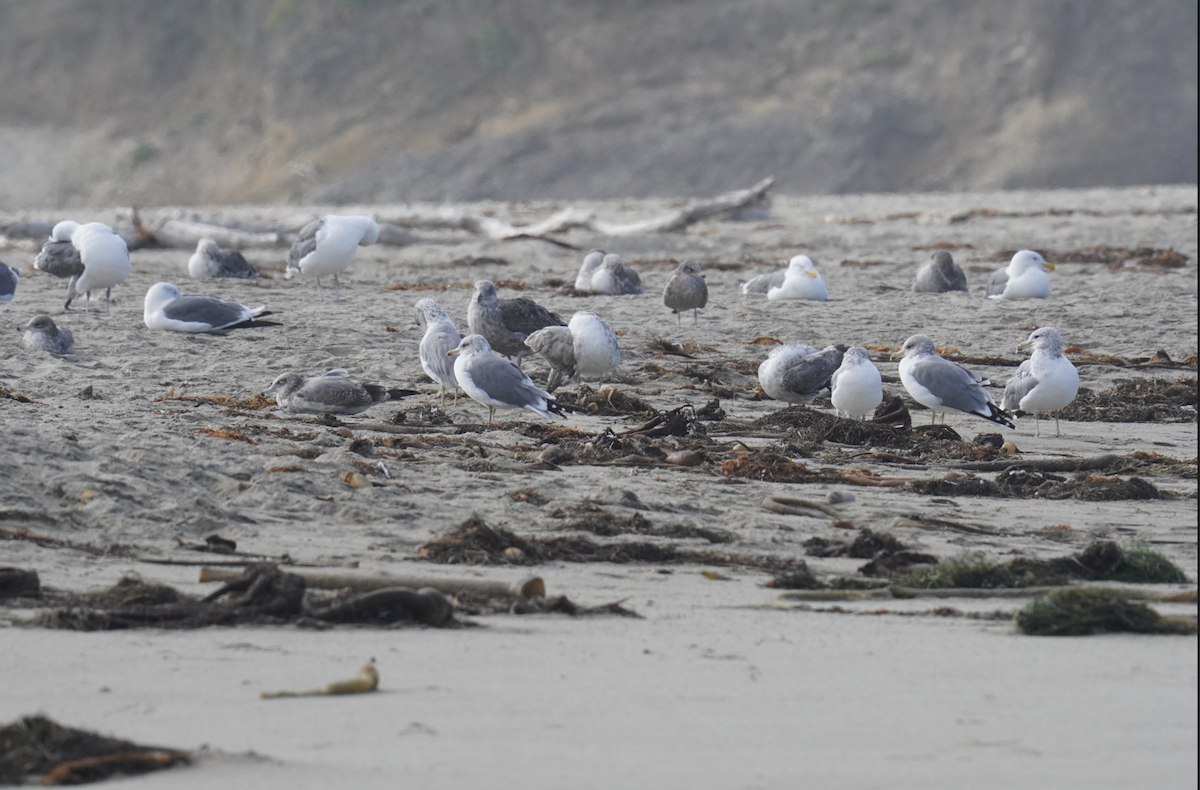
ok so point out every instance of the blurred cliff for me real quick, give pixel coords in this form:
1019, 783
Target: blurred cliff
219, 101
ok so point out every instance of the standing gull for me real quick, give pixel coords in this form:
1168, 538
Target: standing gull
210, 261
505, 323
801, 281
797, 373
939, 275
584, 350
168, 309
1024, 278
42, 334
327, 246
686, 290
616, 278
94, 256
492, 380
856, 387
942, 385
441, 337
8, 282
333, 393
1047, 381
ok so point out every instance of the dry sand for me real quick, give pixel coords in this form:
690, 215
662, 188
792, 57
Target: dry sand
713, 688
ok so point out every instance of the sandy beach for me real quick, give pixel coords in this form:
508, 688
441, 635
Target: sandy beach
720, 683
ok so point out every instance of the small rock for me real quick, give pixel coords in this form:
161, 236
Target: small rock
344, 432
514, 553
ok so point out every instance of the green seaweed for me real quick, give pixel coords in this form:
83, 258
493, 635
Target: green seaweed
1081, 611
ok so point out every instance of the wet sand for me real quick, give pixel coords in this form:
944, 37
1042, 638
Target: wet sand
710, 688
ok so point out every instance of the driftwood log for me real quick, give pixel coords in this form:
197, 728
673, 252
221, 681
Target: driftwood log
528, 587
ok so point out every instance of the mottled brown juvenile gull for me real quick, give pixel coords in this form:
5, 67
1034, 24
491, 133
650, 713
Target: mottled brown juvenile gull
210, 261
584, 350
941, 384
492, 380
333, 393
1047, 381
505, 323
856, 387
8, 282
797, 373
1024, 278
441, 336
940, 275
686, 290
327, 246
168, 309
42, 334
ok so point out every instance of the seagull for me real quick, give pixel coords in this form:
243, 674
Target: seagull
591, 262
42, 334
583, 350
1047, 381
856, 386
801, 281
616, 278
942, 385
8, 282
1023, 278
327, 246
333, 393
210, 261
492, 380
763, 282
168, 309
94, 256
797, 373
686, 290
505, 323
441, 336
939, 275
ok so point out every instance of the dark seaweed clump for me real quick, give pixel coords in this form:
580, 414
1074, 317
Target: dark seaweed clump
1081, 611
1136, 400
1025, 484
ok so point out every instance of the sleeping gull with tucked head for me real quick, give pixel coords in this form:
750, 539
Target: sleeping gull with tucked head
8, 282
327, 246
441, 336
505, 323
686, 290
58, 255
1024, 278
941, 384
168, 309
939, 275
591, 262
1047, 381
492, 380
797, 372
800, 281
616, 278
42, 334
210, 261
94, 256
583, 350
333, 393
856, 387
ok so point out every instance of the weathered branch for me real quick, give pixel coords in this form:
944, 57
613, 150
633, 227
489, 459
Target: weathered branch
528, 587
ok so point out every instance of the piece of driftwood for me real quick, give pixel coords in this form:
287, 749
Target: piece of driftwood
528, 587
181, 234
365, 681
1088, 464
799, 507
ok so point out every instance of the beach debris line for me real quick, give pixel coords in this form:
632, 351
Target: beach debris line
1082, 611
39, 749
365, 681
523, 587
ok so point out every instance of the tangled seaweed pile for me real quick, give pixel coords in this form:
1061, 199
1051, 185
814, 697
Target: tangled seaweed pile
1136, 400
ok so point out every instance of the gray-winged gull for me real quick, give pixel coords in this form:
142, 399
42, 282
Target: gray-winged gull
492, 380
441, 336
800, 281
8, 282
327, 246
94, 256
591, 262
333, 393
58, 255
939, 275
616, 278
797, 372
686, 290
763, 283
856, 387
210, 261
941, 384
505, 323
42, 334
168, 309
1047, 381
584, 350
1023, 278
